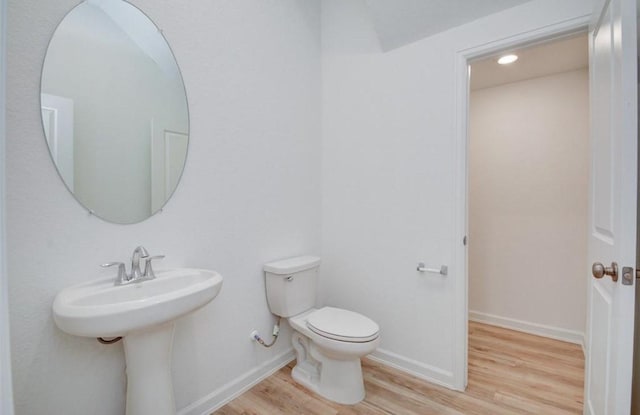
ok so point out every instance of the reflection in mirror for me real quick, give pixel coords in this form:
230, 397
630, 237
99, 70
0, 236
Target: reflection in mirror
114, 110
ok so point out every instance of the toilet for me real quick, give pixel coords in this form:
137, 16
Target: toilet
328, 341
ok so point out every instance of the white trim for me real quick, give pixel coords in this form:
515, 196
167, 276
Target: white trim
225, 394
460, 226
420, 370
6, 390
557, 333
461, 103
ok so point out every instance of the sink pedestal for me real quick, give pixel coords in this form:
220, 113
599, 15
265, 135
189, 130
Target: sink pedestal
143, 313
148, 364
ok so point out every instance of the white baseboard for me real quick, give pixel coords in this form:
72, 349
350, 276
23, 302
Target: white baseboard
551, 332
221, 396
418, 369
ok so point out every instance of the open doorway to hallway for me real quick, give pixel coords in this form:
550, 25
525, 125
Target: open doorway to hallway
528, 159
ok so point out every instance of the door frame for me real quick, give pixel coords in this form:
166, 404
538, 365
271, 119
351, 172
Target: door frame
463, 59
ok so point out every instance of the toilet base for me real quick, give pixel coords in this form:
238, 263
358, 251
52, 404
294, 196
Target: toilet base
337, 380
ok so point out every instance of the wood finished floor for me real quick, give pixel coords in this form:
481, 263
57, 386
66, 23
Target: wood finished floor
509, 373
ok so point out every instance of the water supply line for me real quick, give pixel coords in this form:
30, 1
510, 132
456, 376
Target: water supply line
276, 330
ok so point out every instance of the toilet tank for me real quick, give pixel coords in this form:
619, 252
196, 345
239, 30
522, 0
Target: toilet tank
291, 285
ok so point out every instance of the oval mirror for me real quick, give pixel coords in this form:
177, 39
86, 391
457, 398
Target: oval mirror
114, 110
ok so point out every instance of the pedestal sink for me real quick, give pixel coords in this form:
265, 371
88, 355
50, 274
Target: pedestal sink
143, 314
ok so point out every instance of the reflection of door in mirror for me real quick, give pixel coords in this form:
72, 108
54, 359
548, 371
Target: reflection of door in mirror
168, 154
57, 120
175, 150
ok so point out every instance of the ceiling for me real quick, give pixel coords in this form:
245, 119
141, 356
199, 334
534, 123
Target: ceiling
400, 22
557, 56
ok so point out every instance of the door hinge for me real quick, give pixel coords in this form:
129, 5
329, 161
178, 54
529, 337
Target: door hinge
464, 240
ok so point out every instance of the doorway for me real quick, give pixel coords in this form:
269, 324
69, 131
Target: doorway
528, 156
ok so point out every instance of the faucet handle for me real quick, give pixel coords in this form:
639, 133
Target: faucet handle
148, 270
122, 274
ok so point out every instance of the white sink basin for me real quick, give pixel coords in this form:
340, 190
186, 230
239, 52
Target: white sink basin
100, 309
143, 314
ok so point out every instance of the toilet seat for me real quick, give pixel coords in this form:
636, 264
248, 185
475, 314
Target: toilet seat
342, 325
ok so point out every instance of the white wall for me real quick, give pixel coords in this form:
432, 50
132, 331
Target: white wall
528, 186
389, 195
250, 194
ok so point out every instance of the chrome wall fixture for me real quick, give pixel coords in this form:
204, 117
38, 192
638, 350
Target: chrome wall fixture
444, 270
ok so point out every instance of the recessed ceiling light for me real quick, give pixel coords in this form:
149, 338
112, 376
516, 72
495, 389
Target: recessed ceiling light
507, 59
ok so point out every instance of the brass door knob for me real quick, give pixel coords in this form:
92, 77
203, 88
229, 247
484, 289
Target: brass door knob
598, 270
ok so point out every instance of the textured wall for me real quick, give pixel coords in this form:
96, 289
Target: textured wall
250, 193
528, 186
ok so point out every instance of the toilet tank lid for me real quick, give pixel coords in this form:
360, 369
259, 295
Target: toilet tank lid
291, 265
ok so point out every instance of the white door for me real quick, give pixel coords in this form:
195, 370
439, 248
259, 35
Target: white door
612, 216
175, 145
168, 153
57, 119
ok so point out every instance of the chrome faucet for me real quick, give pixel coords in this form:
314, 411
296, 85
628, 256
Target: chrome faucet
136, 274
138, 253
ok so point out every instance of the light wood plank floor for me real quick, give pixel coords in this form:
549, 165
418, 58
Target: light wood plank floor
509, 373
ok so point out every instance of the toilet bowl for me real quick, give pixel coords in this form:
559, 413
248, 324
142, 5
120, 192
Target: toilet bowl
328, 341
